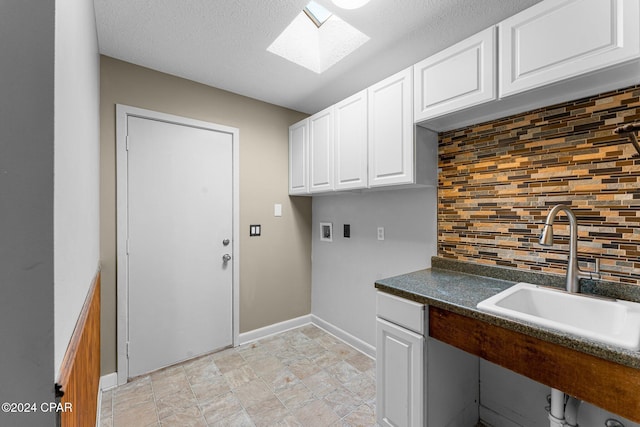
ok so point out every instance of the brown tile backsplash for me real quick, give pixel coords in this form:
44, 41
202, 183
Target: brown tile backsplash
499, 179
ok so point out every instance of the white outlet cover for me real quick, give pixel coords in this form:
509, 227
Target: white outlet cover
380, 233
277, 209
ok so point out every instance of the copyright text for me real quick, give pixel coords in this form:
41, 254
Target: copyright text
29, 407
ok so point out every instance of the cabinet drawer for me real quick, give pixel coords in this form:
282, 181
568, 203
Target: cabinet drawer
400, 311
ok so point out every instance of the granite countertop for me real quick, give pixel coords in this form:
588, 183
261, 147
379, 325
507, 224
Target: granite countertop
459, 286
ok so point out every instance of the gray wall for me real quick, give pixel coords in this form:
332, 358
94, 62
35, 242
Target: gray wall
26, 207
275, 268
344, 271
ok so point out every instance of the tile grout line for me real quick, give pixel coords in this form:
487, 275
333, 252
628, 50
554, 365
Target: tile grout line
155, 402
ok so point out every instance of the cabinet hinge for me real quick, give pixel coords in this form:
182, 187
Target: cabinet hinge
127, 142
127, 349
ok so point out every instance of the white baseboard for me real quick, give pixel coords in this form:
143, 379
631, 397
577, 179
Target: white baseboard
109, 381
353, 341
276, 328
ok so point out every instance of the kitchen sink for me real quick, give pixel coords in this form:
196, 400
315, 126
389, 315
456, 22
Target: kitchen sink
610, 321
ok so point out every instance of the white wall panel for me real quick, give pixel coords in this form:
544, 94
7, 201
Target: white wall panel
76, 165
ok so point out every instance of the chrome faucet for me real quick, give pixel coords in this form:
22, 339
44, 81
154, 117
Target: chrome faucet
574, 274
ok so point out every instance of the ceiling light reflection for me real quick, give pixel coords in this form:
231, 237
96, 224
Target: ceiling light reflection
350, 4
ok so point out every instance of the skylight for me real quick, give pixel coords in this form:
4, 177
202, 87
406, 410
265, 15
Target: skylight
317, 13
319, 45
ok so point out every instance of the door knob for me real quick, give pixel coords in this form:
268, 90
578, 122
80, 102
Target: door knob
226, 257
225, 242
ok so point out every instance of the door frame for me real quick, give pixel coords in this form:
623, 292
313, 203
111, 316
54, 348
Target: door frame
123, 112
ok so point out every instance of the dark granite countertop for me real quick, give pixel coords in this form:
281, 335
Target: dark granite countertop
460, 286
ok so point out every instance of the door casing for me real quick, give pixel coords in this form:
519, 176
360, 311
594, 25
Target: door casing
123, 112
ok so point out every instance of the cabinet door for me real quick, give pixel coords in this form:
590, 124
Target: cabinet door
391, 130
459, 77
400, 376
298, 158
351, 142
321, 151
559, 39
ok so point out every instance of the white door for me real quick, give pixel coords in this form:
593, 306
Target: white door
180, 225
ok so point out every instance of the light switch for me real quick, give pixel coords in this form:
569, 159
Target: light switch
254, 230
277, 209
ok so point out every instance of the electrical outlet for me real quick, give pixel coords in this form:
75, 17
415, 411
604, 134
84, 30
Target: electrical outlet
380, 233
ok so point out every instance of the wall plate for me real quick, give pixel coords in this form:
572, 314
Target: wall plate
326, 232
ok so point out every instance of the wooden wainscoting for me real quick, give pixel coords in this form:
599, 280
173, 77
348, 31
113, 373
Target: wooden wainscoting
77, 386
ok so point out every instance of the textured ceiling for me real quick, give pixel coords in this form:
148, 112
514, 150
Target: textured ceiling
222, 43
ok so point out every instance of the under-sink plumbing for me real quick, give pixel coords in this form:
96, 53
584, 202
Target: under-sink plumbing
574, 273
563, 409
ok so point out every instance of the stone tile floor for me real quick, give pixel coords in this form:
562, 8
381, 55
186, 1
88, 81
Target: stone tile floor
302, 377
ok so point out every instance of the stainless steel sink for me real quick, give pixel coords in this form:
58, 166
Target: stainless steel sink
609, 321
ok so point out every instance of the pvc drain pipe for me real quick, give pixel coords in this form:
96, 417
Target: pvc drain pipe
556, 414
561, 414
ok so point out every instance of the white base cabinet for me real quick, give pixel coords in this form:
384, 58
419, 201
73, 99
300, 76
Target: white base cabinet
420, 381
400, 376
400, 361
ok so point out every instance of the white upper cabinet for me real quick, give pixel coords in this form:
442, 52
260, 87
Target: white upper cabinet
350, 143
299, 158
456, 78
321, 151
391, 160
560, 39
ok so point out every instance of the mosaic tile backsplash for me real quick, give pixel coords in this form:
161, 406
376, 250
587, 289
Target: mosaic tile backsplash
499, 180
